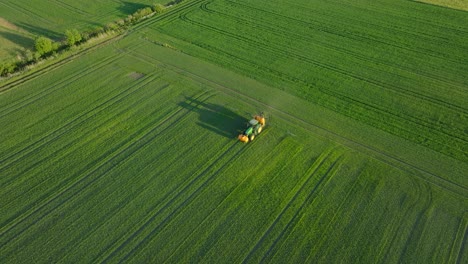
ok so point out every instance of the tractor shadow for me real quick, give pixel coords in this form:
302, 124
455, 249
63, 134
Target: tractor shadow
216, 118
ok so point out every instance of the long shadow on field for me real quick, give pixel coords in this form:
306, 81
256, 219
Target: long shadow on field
35, 30
18, 39
216, 118
128, 8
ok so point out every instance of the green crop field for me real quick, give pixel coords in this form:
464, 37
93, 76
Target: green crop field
456, 4
128, 152
22, 21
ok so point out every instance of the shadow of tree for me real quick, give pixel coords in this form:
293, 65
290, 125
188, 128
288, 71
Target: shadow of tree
39, 31
216, 118
128, 8
18, 39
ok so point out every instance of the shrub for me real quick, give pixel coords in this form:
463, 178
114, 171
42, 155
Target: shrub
111, 26
73, 37
43, 45
158, 8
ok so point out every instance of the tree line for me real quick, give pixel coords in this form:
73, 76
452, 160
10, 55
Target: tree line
45, 47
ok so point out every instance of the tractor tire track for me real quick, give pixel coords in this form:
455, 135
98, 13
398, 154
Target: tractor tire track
328, 227
60, 84
420, 222
385, 157
459, 242
411, 119
72, 8
72, 197
301, 186
181, 192
167, 16
238, 187
414, 133
333, 31
90, 135
114, 156
271, 48
204, 172
197, 192
143, 186
21, 9
324, 179
67, 127
389, 246
282, 32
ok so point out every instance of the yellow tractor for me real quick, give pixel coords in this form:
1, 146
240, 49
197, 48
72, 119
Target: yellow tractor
254, 128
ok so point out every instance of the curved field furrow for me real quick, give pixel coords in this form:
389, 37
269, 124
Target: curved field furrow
116, 156
409, 223
349, 53
457, 251
406, 90
169, 15
401, 223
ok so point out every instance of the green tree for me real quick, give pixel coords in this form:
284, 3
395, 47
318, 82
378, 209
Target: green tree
7, 68
111, 26
73, 36
158, 8
29, 55
43, 45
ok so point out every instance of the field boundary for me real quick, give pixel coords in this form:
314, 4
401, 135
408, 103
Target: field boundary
49, 66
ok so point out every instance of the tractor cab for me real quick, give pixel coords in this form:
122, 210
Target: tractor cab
255, 127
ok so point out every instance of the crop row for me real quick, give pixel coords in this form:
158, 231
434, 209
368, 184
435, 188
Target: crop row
329, 75
439, 179
87, 176
136, 158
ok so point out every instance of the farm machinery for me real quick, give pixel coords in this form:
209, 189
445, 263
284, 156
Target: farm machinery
254, 127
